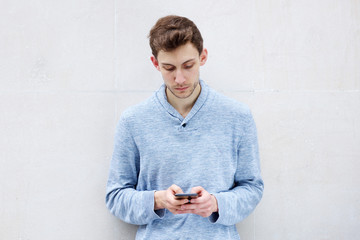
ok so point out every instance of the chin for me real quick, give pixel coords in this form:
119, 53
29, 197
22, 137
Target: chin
183, 96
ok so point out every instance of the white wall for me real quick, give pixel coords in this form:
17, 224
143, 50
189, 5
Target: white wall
69, 68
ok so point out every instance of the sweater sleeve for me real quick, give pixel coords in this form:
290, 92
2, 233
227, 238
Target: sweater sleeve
237, 203
122, 198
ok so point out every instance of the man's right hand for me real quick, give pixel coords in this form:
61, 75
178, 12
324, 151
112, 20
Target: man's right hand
166, 199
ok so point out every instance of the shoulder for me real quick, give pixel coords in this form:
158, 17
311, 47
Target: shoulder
139, 111
229, 106
230, 115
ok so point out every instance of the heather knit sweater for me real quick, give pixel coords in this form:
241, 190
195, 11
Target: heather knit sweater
215, 147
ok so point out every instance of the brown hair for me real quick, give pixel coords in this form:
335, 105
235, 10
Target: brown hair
173, 31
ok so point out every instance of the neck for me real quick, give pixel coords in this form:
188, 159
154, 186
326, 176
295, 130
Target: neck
183, 105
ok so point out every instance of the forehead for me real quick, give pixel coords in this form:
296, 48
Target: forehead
179, 55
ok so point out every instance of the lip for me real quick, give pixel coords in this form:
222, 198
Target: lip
181, 89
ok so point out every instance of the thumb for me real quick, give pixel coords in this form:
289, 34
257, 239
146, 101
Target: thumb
176, 189
197, 190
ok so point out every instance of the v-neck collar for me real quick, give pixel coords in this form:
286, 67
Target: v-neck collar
161, 96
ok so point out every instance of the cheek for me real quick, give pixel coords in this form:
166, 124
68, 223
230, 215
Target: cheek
193, 73
165, 73
167, 77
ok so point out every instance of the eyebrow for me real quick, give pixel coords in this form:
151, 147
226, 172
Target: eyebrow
181, 64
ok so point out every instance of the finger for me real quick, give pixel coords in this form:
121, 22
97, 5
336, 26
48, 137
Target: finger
176, 202
185, 211
201, 212
175, 189
175, 211
179, 202
203, 197
196, 200
189, 207
197, 190
182, 211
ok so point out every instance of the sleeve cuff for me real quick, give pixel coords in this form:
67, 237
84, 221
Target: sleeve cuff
156, 214
217, 217
160, 213
214, 217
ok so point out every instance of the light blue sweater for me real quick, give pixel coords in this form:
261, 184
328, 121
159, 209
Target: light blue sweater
215, 147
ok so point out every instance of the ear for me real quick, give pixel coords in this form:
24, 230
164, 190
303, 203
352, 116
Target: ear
155, 62
203, 56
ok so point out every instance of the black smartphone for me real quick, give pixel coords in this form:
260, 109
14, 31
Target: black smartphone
186, 195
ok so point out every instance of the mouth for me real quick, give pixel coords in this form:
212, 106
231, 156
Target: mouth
181, 88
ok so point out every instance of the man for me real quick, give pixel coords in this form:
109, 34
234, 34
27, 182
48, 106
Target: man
186, 138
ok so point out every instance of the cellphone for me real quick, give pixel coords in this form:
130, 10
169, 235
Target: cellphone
186, 195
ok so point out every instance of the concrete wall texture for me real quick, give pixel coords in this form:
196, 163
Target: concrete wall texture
69, 68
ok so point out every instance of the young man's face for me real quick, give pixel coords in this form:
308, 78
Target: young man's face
180, 69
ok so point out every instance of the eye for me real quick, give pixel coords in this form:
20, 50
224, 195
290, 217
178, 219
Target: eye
189, 66
169, 68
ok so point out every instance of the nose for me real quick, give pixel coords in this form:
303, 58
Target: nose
179, 77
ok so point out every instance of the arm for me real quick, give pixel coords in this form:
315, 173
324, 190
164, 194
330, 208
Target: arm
122, 199
237, 203
232, 206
